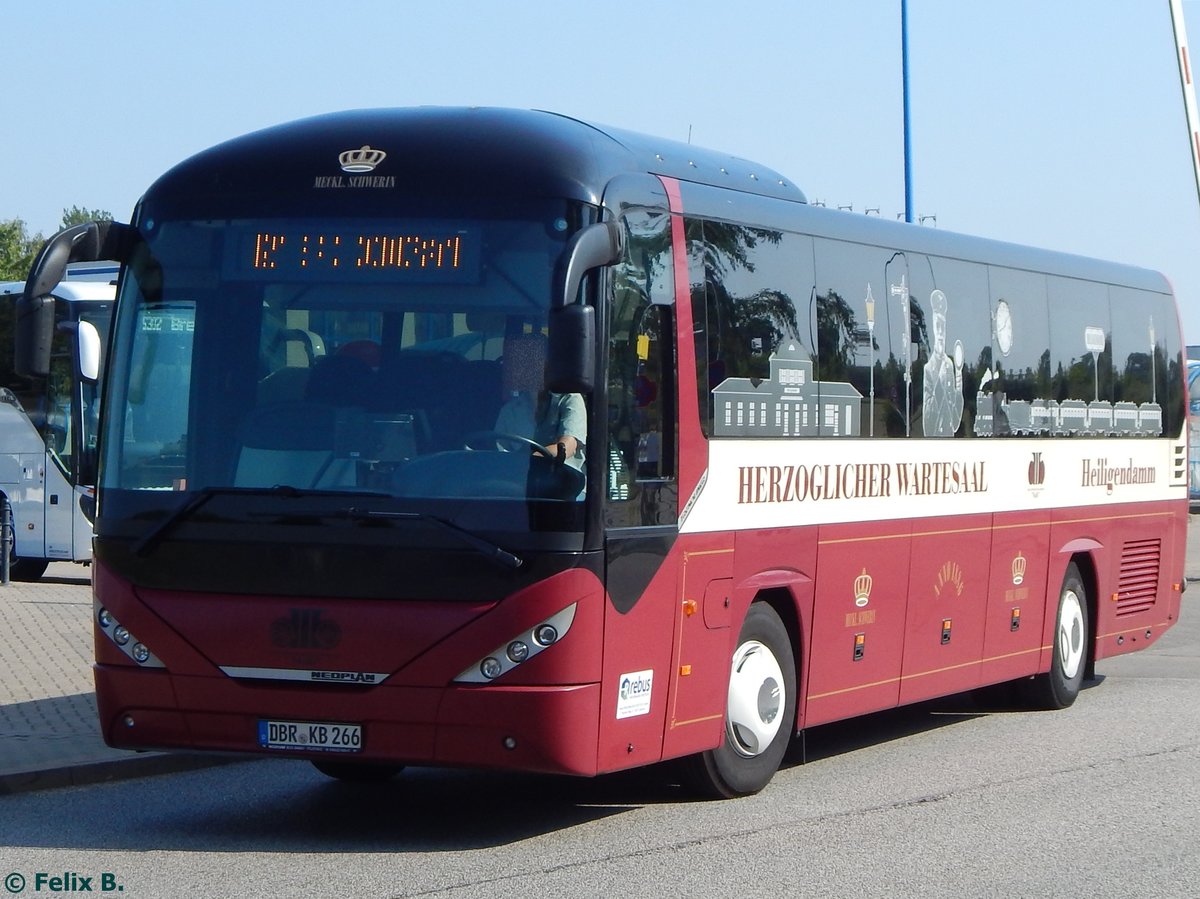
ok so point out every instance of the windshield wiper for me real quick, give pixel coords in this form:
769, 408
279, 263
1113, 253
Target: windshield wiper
185, 510
197, 500
486, 548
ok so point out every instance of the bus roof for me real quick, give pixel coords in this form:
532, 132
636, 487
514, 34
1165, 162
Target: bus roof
73, 290
435, 153
529, 152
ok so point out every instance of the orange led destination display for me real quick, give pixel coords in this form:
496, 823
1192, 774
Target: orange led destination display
412, 254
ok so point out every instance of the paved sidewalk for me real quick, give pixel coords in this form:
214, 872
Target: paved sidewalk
49, 735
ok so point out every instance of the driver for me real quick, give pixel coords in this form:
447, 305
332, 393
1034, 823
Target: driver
557, 421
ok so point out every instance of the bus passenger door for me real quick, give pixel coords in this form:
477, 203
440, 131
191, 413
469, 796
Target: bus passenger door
641, 499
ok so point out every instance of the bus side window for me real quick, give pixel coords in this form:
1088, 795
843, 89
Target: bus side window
641, 487
57, 431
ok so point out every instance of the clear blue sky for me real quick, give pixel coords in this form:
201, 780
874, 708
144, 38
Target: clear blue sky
1058, 123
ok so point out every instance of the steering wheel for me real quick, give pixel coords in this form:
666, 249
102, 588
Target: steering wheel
499, 438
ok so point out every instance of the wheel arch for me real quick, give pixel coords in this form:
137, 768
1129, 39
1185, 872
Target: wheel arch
790, 594
1085, 564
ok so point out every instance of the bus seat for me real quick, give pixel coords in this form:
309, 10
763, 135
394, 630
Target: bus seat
291, 444
340, 381
487, 324
430, 383
301, 347
367, 351
284, 385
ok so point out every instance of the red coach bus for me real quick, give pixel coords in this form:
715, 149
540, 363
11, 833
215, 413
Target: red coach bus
496, 438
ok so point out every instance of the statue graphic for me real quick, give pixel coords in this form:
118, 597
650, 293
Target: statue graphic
942, 405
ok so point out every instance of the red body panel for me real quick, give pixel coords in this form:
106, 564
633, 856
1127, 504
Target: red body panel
881, 613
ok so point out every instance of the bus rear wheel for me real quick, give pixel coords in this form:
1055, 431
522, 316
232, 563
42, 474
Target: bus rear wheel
760, 712
1058, 688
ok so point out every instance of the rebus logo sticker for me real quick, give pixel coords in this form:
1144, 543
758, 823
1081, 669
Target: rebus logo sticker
633, 694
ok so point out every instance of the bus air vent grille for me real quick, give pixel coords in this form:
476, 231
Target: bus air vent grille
1137, 588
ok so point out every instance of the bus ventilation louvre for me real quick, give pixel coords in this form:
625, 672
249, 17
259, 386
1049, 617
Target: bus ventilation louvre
1137, 587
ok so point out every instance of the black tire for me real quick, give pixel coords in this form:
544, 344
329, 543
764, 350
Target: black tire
26, 569
19, 569
357, 772
760, 712
1057, 688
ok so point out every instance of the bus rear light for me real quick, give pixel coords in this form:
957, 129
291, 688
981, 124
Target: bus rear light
124, 640
519, 649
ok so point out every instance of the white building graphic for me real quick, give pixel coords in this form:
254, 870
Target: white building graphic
788, 404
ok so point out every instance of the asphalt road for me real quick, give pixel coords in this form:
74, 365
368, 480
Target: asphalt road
961, 798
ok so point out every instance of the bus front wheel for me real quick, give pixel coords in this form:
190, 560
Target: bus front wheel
760, 711
357, 772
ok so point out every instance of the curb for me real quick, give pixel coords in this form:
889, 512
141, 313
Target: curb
137, 765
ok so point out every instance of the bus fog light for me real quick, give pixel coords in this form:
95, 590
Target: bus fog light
121, 635
518, 651
139, 652
510, 742
105, 618
545, 634
490, 668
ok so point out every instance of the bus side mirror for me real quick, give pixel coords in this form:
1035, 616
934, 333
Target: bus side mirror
571, 350
571, 353
594, 246
87, 347
89, 242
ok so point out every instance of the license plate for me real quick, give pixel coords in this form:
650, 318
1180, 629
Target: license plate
310, 735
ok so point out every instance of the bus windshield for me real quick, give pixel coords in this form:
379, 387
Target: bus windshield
399, 359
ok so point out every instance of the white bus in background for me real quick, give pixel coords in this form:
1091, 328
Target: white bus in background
45, 422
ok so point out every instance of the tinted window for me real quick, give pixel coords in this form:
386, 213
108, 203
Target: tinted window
866, 355
1020, 353
754, 325
954, 353
642, 424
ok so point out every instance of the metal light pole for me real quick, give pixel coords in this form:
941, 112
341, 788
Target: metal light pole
908, 205
1185, 79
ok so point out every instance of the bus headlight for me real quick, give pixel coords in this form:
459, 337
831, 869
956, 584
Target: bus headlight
519, 649
123, 639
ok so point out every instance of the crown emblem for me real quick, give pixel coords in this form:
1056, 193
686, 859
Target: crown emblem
862, 589
1018, 568
364, 159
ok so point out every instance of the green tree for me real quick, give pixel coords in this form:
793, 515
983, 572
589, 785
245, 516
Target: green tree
79, 215
17, 249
